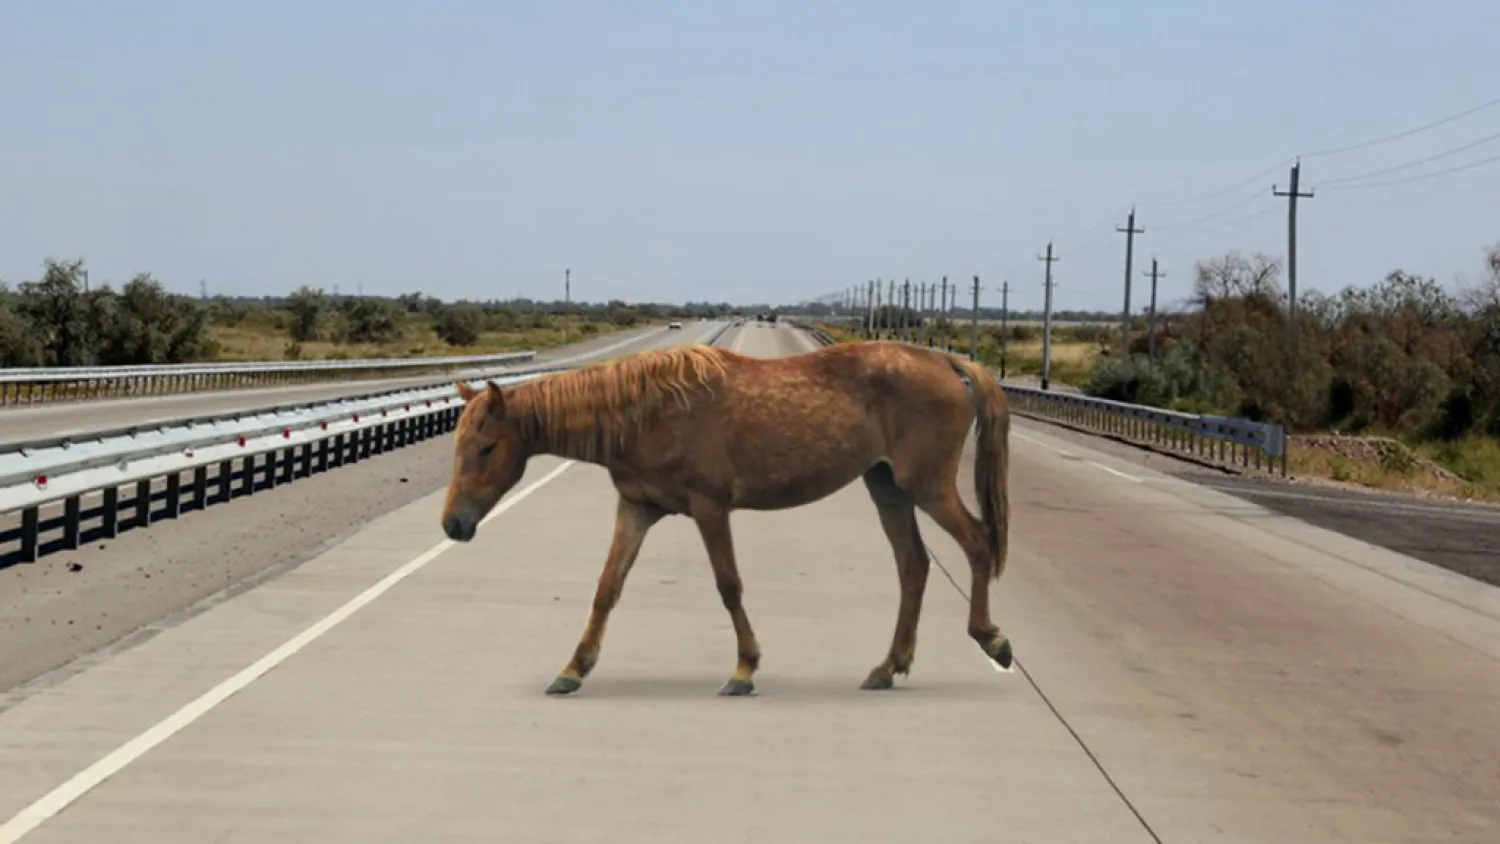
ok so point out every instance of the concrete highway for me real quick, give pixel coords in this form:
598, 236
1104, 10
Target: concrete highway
1193, 666
58, 419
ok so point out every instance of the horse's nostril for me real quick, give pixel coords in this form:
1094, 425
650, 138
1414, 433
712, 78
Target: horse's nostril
458, 529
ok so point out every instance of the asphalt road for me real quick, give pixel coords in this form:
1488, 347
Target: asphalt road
1461, 537
1194, 667
73, 603
18, 424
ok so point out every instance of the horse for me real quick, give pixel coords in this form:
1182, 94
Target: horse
699, 431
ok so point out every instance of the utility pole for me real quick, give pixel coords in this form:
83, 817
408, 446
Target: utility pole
1292, 195
952, 326
891, 312
567, 301
929, 290
1004, 323
1151, 313
942, 306
1130, 231
870, 310
905, 308
1047, 318
974, 324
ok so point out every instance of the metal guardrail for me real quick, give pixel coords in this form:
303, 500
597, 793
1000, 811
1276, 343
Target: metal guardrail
175, 467
29, 385
1222, 439
821, 337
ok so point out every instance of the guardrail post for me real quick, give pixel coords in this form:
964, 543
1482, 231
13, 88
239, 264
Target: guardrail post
200, 488
174, 496
31, 528
72, 516
109, 513
142, 503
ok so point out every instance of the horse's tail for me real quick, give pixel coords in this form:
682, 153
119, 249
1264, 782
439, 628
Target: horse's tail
992, 463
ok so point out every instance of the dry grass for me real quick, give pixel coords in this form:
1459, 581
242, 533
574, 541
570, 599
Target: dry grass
1072, 361
262, 342
1467, 470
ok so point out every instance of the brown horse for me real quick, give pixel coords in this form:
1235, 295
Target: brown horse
700, 432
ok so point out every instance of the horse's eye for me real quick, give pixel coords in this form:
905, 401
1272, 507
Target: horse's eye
487, 450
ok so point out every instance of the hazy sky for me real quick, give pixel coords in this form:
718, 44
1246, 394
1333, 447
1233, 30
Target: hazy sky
747, 151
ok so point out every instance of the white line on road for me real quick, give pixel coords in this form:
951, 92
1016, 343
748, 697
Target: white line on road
49, 804
1113, 471
1116, 472
641, 338
1051, 448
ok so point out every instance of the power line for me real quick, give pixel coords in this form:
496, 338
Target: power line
1381, 172
1406, 133
1419, 178
1222, 211
1403, 134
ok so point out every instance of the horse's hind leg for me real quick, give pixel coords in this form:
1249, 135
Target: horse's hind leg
947, 509
713, 525
632, 521
899, 519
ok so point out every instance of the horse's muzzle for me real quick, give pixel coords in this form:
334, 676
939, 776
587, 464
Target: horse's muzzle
459, 528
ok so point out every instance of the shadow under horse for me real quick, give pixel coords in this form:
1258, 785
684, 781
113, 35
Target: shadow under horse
700, 432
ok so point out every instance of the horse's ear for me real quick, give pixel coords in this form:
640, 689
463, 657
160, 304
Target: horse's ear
496, 399
465, 392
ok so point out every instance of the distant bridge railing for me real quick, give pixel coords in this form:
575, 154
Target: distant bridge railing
1224, 440
30, 385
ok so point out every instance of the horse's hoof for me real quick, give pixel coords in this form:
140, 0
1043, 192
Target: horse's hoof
877, 681
1004, 657
737, 688
564, 686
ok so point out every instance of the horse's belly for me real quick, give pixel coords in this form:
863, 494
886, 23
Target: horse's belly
779, 476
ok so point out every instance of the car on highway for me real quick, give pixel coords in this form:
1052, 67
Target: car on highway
674, 325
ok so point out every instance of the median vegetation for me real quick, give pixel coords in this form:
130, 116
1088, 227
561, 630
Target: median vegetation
61, 320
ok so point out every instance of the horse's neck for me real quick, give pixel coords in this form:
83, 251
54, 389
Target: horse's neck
572, 435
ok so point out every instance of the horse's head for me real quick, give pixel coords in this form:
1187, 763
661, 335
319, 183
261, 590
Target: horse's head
489, 458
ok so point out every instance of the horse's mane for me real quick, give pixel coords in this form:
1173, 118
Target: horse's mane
589, 412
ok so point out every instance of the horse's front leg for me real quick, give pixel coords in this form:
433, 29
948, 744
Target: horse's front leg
632, 520
713, 524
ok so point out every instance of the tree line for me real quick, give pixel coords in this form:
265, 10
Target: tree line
58, 320
1403, 356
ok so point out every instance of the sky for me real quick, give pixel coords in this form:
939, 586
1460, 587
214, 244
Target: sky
768, 151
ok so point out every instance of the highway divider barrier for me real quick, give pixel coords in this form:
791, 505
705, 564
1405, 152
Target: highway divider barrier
60, 493
1221, 440
31, 385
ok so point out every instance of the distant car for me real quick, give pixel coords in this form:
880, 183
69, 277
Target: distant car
674, 324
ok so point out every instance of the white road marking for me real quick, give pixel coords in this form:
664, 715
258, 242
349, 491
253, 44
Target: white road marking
641, 338
1116, 472
1034, 441
1113, 471
58, 799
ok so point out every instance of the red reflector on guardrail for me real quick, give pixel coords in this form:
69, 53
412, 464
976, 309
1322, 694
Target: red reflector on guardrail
241, 440
41, 480
356, 417
324, 424
286, 433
